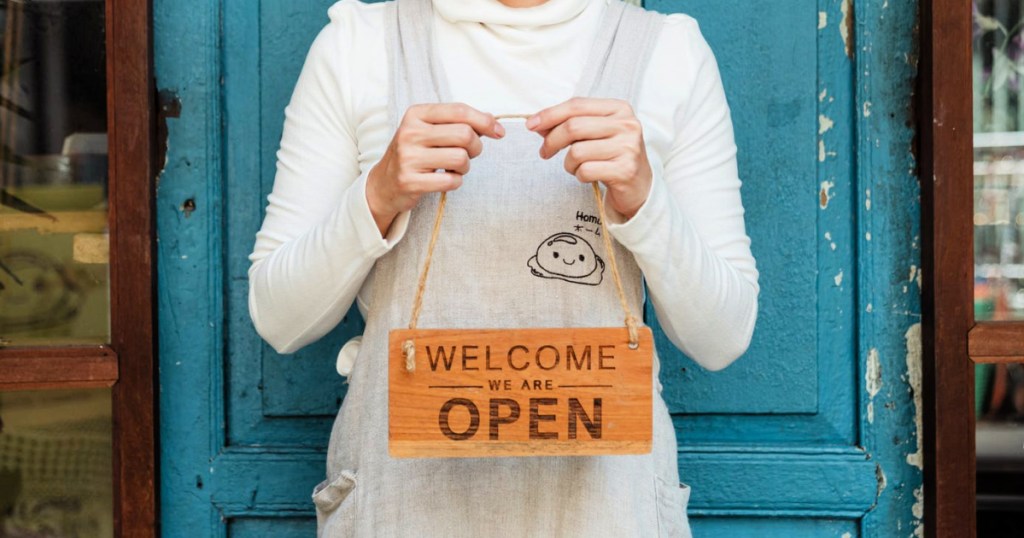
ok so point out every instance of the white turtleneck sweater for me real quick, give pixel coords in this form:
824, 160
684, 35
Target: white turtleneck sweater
319, 241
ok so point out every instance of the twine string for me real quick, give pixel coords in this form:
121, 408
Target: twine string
408, 348
632, 325
631, 321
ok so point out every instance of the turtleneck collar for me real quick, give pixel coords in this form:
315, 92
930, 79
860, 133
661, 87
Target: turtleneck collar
494, 12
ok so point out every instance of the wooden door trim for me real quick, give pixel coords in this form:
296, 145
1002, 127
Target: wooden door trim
27, 368
131, 135
996, 342
945, 152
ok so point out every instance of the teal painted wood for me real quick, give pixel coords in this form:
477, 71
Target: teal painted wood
262, 527
780, 372
867, 257
889, 280
779, 483
286, 29
751, 483
189, 269
789, 528
741, 404
252, 467
263, 387
778, 445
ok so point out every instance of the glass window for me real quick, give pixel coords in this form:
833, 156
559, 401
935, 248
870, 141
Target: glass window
54, 285
998, 102
56, 464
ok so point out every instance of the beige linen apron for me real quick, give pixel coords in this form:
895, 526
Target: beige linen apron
520, 246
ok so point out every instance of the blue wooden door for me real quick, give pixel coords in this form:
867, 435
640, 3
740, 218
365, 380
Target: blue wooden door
813, 433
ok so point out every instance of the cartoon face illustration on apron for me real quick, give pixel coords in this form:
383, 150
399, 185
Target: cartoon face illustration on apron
520, 246
568, 257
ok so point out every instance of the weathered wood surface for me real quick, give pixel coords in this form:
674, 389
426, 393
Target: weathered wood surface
39, 368
519, 392
944, 107
133, 302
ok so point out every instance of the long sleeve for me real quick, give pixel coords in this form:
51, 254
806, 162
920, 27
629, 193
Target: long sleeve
689, 236
318, 240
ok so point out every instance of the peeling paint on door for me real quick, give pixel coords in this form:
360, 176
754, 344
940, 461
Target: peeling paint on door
913, 338
918, 510
873, 376
881, 479
824, 124
825, 194
831, 243
846, 26
872, 382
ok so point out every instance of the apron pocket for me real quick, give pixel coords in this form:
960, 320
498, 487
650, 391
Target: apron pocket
672, 503
329, 495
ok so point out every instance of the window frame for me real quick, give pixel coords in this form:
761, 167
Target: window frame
953, 340
127, 364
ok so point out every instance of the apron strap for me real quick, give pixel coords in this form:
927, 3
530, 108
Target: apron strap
620, 74
417, 75
602, 48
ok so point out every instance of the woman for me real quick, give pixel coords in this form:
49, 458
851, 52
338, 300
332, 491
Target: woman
396, 103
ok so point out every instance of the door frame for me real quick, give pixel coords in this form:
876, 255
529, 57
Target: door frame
131, 126
946, 174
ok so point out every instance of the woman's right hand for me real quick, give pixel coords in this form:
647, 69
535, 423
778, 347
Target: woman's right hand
430, 138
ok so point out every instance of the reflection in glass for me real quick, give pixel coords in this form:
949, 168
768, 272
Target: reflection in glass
999, 188
55, 464
53, 173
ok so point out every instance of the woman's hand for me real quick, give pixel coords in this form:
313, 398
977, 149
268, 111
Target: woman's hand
430, 138
606, 144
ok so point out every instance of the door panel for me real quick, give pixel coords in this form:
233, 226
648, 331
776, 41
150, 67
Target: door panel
284, 33
276, 400
812, 433
790, 528
797, 384
779, 374
260, 527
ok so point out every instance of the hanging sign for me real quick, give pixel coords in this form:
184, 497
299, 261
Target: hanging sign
519, 392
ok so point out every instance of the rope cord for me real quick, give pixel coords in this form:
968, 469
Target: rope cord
632, 325
631, 321
408, 348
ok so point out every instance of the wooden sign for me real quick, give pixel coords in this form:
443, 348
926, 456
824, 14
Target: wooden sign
519, 392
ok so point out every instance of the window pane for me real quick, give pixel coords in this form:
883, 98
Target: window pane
998, 60
53, 173
55, 464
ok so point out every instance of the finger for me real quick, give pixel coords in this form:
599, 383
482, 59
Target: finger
428, 182
603, 171
574, 130
449, 135
590, 150
577, 106
481, 122
453, 159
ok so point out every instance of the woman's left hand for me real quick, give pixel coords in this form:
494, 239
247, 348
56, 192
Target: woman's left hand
606, 144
